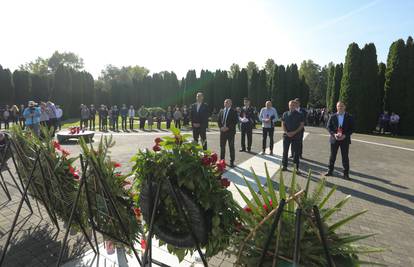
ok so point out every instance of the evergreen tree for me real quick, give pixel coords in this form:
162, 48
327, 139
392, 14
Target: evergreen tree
279, 92
39, 87
263, 91
407, 124
242, 89
62, 90
253, 92
351, 79
330, 88
381, 83
21, 81
336, 87
6, 87
190, 87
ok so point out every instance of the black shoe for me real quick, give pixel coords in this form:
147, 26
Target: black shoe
291, 156
329, 173
298, 172
284, 169
271, 152
249, 150
232, 164
242, 150
346, 177
300, 157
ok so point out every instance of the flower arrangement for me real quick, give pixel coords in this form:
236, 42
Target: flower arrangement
74, 130
59, 190
249, 242
197, 176
104, 180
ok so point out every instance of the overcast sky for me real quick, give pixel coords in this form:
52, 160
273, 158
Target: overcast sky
190, 34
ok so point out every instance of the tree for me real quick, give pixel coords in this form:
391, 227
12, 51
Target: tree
68, 59
330, 88
407, 124
251, 66
351, 79
62, 89
6, 87
234, 70
269, 66
21, 81
381, 82
39, 66
242, 91
39, 87
190, 87
263, 93
279, 92
311, 71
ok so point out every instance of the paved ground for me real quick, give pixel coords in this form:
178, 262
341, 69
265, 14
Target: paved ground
381, 172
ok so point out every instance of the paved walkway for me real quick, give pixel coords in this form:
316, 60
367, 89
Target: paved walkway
381, 182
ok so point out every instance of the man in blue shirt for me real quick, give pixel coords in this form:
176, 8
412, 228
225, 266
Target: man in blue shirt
32, 117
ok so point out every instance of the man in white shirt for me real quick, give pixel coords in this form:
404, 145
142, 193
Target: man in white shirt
59, 114
268, 116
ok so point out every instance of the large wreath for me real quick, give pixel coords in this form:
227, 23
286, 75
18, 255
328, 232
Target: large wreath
196, 178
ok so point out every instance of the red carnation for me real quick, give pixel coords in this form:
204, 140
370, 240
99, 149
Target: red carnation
143, 244
265, 207
225, 182
156, 148
118, 174
65, 153
205, 160
214, 158
116, 164
137, 212
56, 145
247, 209
221, 165
158, 140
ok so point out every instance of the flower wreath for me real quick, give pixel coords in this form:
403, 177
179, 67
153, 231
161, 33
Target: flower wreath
197, 176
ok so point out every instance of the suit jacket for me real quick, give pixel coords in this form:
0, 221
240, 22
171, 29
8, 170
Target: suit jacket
347, 127
249, 113
231, 122
201, 116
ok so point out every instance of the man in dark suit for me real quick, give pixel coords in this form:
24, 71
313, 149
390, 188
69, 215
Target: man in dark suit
247, 123
340, 126
199, 114
227, 121
305, 114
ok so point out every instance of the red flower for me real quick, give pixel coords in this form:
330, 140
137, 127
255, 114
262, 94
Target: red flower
76, 175
158, 140
205, 160
156, 148
214, 158
143, 244
247, 209
265, 207
116, 164
238, 226
118, 174
221, 165
137, 212
56, 145
65, 153
225, 182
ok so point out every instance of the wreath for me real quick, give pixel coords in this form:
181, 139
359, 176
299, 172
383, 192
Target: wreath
195, 175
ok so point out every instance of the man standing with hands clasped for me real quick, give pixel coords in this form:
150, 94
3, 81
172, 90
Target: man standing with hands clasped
227, 121
199, 119
292, 125
340, 127
247, 123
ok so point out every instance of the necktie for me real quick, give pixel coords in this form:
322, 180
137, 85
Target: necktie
225, 117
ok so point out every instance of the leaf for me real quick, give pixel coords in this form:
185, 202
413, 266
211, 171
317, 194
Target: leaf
282, 188
247, 200
345, 220
307, 184
337, 207
326, 198
253, 193
270, 187
261, 189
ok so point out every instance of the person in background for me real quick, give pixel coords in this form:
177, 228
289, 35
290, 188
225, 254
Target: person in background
124, 114
246, 119
178, 115
59, 116
227, 121
131, 115
51, 112
44, 116
110, 118
115, 118
32, 115
85, 116
238, 110
142, 114
14, 114
292, 125
340, 127
6, 117
100, 117
268, 116
168, 117
199, 113
384, 122
105, 114
150, 120
159, 120
92, 116
186, 116
394, 121
21, 117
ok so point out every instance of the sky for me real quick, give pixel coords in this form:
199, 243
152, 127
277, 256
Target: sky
191, 34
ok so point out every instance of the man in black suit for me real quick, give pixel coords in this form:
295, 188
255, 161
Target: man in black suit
305, 114
247, 123
199, 114
227, 121
340, 126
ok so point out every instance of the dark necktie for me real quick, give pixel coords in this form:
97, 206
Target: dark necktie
225, 116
